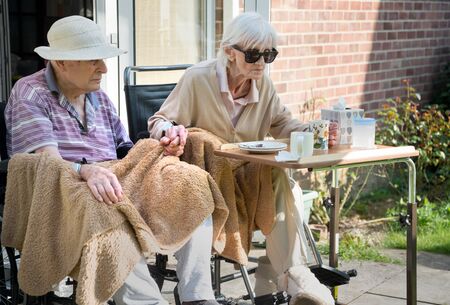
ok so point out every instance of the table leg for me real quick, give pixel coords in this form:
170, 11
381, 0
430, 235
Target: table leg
334, 226
411, 242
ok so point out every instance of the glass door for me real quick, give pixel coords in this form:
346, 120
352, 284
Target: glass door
171, 32
164, 32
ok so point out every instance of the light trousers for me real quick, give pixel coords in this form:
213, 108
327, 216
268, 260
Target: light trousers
286, 244
193, 271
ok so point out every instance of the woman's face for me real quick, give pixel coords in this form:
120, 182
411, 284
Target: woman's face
245, 69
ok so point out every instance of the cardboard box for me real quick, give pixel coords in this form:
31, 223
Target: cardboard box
344, 118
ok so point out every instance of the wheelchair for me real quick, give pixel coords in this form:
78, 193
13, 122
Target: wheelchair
142, 101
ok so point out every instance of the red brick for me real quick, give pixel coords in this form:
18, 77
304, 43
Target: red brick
343, 4
280, 88
322, 61
310, 38
304, 27
398, 6
317, 5
367, 6
321, 83
295, 63
323, 38
331, 5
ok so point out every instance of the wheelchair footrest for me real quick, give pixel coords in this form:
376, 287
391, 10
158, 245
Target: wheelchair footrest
167, 274
330, 276
275, 298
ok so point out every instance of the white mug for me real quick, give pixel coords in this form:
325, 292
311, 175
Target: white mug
302, 143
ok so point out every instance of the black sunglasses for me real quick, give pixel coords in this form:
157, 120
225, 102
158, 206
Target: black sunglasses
252, 56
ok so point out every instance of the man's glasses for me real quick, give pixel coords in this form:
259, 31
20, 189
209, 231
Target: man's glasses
252, 56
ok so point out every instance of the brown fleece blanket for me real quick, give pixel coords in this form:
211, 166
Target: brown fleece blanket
246, 188
60, 229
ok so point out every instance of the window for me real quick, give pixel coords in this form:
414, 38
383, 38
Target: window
169, 32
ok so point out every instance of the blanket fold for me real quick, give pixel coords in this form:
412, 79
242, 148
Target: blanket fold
246, 188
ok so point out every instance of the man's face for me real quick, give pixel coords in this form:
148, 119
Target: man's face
85, 75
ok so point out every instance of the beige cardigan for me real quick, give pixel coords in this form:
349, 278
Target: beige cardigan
196, 102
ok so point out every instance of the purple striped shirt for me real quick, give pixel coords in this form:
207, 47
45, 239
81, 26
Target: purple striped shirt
37, 115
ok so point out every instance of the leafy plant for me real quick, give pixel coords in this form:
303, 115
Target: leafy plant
403, 121
308, 108
353, 247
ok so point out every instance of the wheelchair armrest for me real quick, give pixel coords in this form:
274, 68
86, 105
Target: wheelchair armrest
122, 151
3, 174
4, 166
3, 171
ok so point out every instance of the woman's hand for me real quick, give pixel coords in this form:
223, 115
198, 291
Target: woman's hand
103, 183
333, 134
174, 140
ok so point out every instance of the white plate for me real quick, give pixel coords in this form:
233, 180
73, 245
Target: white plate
262, 147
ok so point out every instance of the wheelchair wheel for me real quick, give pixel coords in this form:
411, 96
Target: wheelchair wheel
158, 270
10, 293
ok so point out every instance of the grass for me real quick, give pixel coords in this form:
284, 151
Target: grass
433, 225
435, 241
433, 228
356, 248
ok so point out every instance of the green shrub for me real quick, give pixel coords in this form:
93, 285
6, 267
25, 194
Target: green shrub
430, 215
403, 121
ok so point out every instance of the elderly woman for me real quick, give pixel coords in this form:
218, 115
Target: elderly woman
234, 99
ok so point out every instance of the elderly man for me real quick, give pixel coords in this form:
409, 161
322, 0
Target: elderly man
62, 111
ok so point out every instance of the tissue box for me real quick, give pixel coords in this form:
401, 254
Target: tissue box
344, 118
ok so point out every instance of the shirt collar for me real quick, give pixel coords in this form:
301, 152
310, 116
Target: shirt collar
53, 87
251, 97
50, 78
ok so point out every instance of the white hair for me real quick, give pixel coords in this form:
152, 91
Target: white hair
248, 31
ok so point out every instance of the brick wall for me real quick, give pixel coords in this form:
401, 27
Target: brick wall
360, 50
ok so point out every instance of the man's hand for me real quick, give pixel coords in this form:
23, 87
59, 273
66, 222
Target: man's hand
333, 134
174, 140
103, 184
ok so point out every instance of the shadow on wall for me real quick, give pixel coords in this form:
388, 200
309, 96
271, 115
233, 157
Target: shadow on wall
411, 41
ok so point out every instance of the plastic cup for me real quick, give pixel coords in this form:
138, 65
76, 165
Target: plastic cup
363, 133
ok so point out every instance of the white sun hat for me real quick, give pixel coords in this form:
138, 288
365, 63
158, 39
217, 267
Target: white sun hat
77, 38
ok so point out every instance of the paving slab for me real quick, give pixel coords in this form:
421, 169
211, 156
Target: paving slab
371, 299
433, 286
370, 275
376, 283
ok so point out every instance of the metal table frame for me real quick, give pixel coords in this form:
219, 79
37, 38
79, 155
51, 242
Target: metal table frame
334, 160
411, 242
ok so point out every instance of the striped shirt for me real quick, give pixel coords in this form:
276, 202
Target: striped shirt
38, 115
